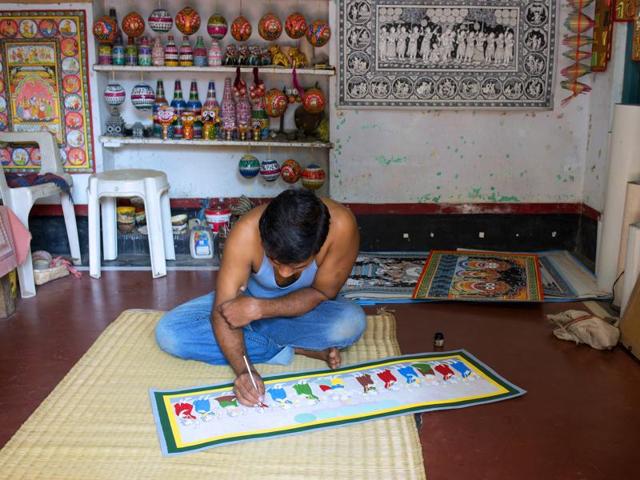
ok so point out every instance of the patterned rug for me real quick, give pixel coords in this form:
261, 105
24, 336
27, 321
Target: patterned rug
390, 277
480, 276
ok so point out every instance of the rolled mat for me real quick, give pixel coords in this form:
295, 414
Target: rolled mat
97, 423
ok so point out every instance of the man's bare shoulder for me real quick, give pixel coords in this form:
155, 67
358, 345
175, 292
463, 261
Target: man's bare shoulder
341, 216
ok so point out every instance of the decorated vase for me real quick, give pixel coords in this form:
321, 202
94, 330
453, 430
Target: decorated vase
241, 29
313, 100
214, 55
318, 33
249, 166
105, 29
188, 21
313, 177
142, 96
228, 108
270, 27
275, 102
217, 26
114, 94
270, 170
291, 171
133, 24
295, 25
160, 21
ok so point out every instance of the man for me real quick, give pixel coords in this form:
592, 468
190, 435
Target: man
276, 292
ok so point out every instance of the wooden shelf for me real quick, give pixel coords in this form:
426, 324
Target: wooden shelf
117, 142
224, 69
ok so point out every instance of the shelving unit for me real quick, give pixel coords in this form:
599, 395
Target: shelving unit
116, 142
324, 72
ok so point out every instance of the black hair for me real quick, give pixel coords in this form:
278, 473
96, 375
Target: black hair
294, 226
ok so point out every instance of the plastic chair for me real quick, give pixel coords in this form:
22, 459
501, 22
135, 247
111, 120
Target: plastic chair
153, 187
21, 199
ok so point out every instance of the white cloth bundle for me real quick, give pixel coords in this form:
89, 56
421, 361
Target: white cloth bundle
583, 327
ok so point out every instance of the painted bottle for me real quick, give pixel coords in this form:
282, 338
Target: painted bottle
171, 53
160, 101
212, 107
228, 110
214, 55
194, 105
185, 56
157, 53
179, 106
200, 53
117, 52
131, 53
144, 53
104, 54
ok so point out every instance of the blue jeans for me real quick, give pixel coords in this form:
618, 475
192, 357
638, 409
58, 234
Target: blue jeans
186, 332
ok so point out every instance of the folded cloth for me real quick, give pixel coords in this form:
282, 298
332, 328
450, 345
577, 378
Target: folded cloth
15, 241
15, 180
583, 327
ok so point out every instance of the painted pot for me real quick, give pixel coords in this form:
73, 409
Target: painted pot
160, 21
291, 171
241, 29
142, 96
318, 33
270, 27
133, 24
270, 170
249, 166
295, 25
217, 26
275, 102
105, 29
313, 177
114, 94
188, 21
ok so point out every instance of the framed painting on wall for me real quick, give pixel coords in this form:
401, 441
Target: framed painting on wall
44, 85
496, 54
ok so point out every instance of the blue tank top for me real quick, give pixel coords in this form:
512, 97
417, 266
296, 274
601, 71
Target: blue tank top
263, 283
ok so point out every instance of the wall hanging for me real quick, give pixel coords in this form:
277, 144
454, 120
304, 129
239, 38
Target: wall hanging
44, 84
463, 54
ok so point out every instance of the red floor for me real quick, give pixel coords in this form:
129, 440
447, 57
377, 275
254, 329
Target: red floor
579, 420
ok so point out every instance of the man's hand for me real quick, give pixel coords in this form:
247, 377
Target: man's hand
240, 311
246, 392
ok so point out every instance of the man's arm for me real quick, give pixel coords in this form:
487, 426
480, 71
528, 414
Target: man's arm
232, 278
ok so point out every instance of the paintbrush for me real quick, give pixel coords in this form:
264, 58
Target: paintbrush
260, 403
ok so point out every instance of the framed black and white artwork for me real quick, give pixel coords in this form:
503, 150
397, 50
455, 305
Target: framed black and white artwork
495, 54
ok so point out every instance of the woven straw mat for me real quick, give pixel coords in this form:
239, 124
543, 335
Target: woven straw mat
97, 423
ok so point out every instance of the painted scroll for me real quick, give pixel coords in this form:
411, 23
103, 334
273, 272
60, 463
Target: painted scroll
188, 420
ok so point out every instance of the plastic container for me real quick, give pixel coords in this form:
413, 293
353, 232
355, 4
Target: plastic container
201, 243
218, 215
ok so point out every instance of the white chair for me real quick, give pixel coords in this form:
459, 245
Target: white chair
20, 200
150, 185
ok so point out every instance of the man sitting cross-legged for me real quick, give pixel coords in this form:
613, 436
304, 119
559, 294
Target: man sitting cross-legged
276, 292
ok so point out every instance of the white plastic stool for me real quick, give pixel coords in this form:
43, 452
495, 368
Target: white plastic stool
152, 186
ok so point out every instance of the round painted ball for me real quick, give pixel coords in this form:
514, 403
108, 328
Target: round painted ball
114, 94
318, 33
270, 27
313, 177
133, 24
291, 171
142, 96
314, 100
249, 166
241, 29
188, 21
105, 29
270, 170
295, 25
275, 103
160, 21
217, 26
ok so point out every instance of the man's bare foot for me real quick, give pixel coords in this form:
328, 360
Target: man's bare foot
330, 355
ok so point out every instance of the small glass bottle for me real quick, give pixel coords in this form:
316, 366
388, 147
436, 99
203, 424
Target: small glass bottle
160, 101
131, 53
185, 56
117, 52
200, 53
144, 53
157, 53
179, 106
171, 53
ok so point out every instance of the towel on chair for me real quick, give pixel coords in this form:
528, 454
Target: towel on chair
15, 241
15, 180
